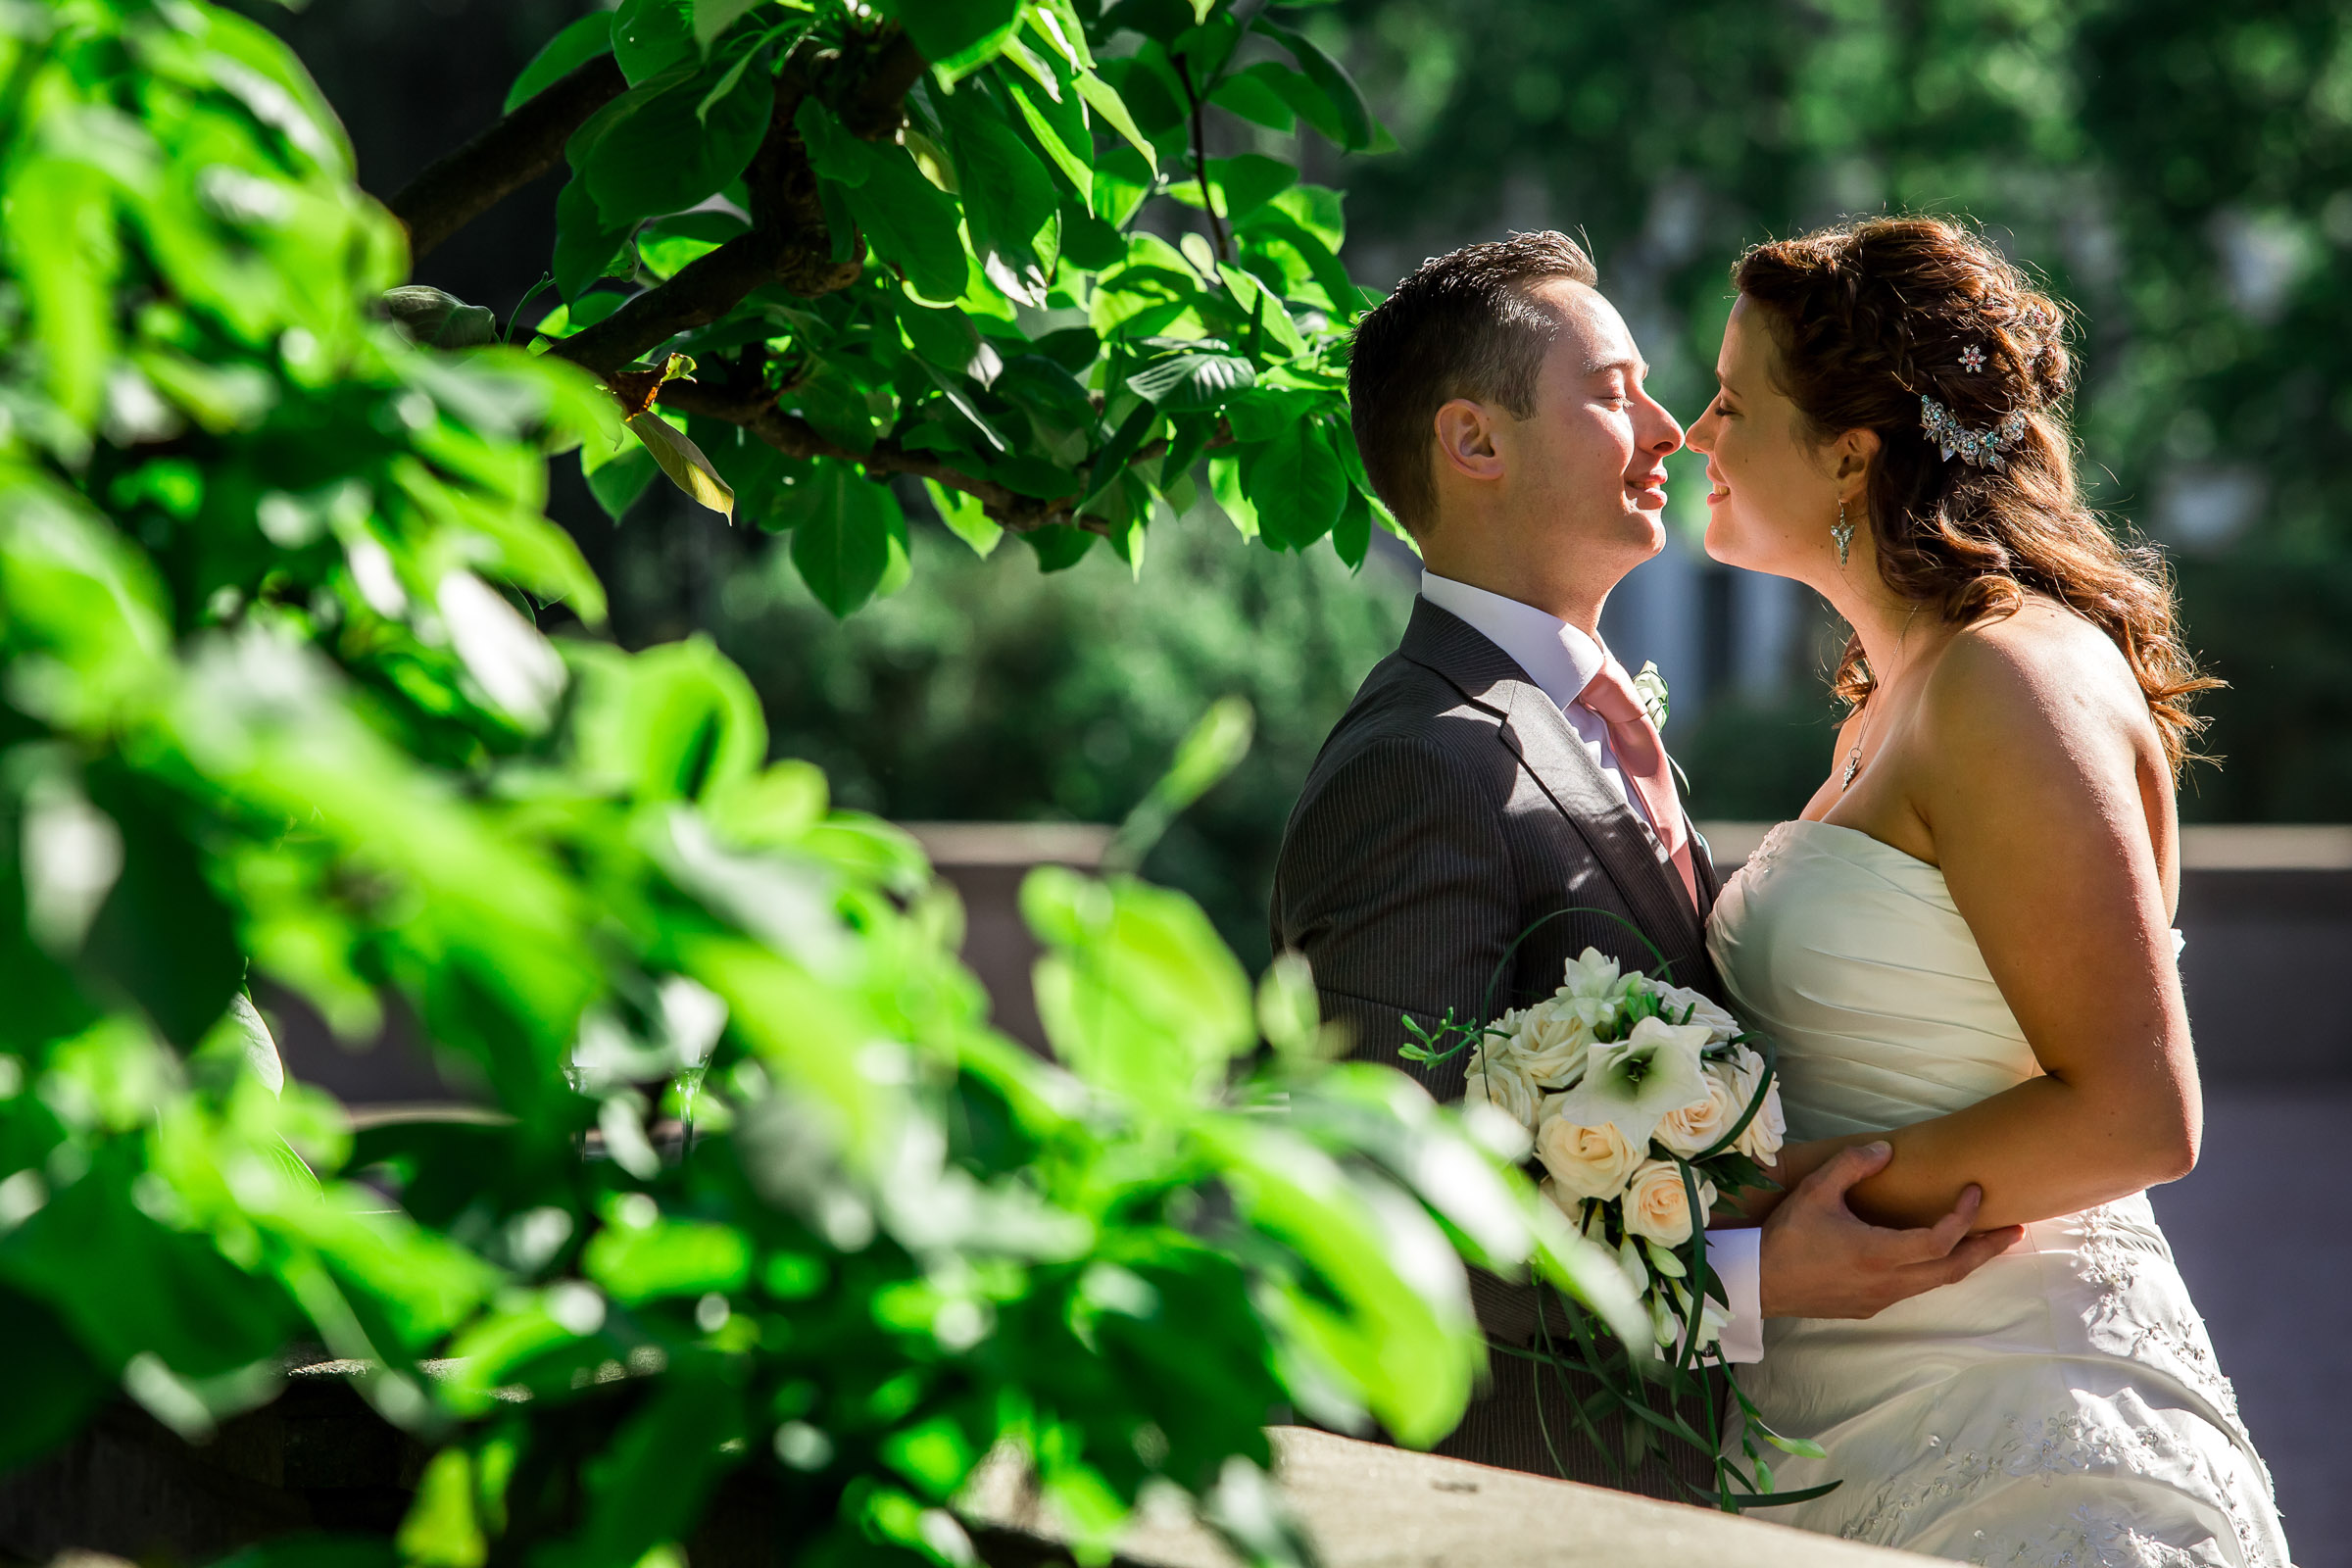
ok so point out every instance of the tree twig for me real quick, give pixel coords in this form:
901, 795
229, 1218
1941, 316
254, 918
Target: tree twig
458, 188
1208, 200
757, 412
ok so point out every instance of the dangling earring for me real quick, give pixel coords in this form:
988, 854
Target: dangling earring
1843, 532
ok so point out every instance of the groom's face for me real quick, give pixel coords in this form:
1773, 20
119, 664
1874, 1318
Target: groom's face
1588, 464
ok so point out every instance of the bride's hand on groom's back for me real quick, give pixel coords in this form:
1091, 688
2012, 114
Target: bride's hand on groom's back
1818, 1259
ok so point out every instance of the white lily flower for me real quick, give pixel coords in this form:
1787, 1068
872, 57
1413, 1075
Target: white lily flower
1633, 1083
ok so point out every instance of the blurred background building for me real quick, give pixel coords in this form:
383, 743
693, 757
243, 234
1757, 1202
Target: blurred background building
2180, 170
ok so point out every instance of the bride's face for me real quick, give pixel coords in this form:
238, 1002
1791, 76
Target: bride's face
1774, 490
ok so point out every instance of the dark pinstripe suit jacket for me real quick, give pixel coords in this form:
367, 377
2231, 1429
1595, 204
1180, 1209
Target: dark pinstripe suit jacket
1452, 810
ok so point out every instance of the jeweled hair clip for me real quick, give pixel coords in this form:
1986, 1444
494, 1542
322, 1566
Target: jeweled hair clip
1981, 449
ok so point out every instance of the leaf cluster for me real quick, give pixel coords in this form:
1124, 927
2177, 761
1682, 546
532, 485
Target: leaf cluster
756, 1191
980, 244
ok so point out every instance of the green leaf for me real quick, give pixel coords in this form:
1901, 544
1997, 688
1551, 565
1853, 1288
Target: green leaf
441, 1529
586, 245
1105, 100
1009, 202
651, 36
685, 463
1337, 108
1137, 992
1053, 112
128, 1286
714, 16
618, 479
833, 152
1249, 93
966, 517
163, 938
1190, 381
649, 1487
910, 223
577, 44
1297, 484
953, 31
54, 1386
670, 244
666, 1258
661, 153
672, 723
1058, 545
845, 533
1352, 535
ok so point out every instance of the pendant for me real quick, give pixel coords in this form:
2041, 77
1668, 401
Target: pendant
1843, 532
1853, 766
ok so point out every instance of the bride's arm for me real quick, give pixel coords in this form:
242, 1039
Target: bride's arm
2041, 772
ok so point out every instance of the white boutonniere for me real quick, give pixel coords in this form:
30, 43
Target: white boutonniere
1650, 687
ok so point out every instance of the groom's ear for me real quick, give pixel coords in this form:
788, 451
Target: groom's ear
1466, 440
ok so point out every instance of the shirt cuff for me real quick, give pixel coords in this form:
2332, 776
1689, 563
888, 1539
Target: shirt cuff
1737, 1258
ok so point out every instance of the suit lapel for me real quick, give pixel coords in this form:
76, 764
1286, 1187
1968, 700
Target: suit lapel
1537, 734
1536, 731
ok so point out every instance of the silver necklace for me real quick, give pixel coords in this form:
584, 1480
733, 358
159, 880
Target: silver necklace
1853, 758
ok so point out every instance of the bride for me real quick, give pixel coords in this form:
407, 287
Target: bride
1964, 948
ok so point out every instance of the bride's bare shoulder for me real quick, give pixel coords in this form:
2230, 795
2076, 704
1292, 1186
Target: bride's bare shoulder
2041, 674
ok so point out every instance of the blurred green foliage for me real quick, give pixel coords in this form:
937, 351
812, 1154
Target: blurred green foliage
761, 1193
986, 691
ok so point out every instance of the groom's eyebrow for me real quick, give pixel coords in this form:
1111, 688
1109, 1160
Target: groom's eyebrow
1630, 364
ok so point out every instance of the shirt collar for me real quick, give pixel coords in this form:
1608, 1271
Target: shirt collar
1558, 658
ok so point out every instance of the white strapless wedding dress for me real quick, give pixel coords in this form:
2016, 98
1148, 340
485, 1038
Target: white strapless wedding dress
2061, 1405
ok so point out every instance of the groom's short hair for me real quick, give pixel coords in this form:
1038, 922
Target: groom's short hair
1460, 325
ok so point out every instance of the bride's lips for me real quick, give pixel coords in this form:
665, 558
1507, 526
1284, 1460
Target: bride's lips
1717, 491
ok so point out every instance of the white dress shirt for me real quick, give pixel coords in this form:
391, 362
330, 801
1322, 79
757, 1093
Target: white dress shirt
1562, 659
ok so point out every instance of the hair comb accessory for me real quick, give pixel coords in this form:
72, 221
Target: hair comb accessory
1981, 449
1971, 358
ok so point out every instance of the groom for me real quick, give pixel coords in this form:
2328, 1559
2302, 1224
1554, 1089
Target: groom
1500, 767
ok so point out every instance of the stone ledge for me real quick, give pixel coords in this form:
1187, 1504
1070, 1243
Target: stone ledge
1368, 1505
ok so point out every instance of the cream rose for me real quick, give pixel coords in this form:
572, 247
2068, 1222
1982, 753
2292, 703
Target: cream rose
1693, 1129
1657, 1208
1586, 1161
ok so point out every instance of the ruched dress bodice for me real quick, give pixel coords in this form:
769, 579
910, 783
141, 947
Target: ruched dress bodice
2060, 1406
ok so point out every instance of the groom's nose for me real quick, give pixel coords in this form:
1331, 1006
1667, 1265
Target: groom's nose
1656, 428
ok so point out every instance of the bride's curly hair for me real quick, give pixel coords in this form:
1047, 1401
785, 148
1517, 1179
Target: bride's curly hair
1871, 316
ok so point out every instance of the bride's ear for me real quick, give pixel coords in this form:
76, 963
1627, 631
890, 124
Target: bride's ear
1852, 454
1466, 440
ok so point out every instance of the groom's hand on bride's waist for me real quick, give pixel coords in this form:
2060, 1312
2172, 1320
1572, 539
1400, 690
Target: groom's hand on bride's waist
1819, 1260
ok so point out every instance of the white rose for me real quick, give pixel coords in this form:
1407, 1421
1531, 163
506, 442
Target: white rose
1586, 1161
1550, 1045
1675, 999
1657, 1207
1761, 1140
1693, 1129
1499, 1078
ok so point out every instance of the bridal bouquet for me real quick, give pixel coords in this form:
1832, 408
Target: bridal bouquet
1646, 1102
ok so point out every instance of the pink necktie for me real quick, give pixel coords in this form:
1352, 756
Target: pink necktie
1642, 758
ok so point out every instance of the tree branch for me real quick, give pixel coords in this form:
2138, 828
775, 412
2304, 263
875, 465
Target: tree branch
466, 183
876, 109
790, 433
789, 244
